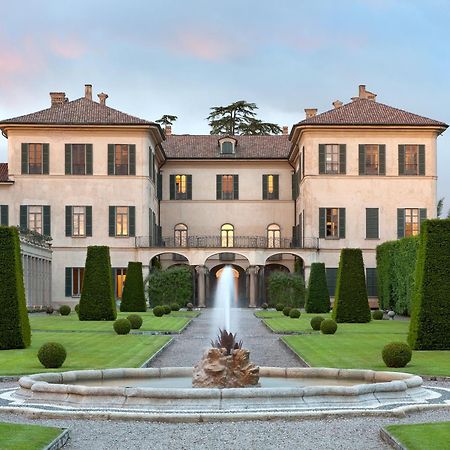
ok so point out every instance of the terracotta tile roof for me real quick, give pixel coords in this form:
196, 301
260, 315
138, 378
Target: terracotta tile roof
368, 112
4, 173
189, 146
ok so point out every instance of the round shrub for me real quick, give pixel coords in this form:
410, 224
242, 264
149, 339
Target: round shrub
122, 326
377, 315
158, 311
190, 306
64, 310
77, 308
175, 307
135, 321
286, 310
264, 306
279, 306
49, 310
294, 313
167, 309
328, 326
396, 354
315, 322
52, 355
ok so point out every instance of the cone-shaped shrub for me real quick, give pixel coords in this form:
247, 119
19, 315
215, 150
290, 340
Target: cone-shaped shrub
429, 328
317, 295
351, 304
14, 325
97, 296
133, 297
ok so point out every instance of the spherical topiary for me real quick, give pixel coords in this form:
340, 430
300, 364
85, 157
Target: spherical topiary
264, 306
294, 313
316, 321
279, 306
396, 354
190, 306
77, 308
122, 326
286, 310
328, 326
377, 315
175, 307
49, 310
167, 309
64, 310
158, 311
52, 355
135, 321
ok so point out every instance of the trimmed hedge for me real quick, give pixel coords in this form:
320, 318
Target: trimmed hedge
351, 304
294, 313
317, 295
97, 300
122, 326
135, 321
429, 328
377, 315
64, 310
14, 324
396, 354
173, 285
133, 295
286, 310
286, 288
328, 326
158, 311
52, 355
316, 322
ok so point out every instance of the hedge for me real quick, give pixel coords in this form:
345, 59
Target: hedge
97, 300
430, 318
286, 288
133, 296
173, 285
14, 324
351, 304
317, 295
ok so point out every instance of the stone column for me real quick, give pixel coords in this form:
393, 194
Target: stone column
253, 271
201, 286
262, 286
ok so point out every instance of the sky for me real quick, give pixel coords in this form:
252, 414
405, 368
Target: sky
183, 57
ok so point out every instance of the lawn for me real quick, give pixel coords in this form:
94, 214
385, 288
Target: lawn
26, 437
281, 324
422, 436
84, 351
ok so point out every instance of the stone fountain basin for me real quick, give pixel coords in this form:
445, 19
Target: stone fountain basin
323, 388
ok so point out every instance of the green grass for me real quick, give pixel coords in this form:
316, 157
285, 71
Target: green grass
283, 324
84, 351
422, 436
268, 313
26, 437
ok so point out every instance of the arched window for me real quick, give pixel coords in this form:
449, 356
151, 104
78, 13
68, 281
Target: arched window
273, 236
181, 234
227, 235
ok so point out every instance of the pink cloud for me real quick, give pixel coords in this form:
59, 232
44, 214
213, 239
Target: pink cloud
67, 48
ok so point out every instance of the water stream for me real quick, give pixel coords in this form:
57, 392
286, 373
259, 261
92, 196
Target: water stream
223, 299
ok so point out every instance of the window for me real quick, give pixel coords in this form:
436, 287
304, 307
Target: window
372, 159
332, 158
180, 187
273, 236
78, 159
78, 221
227, 148
227, 187
331, 274
122, 221
121, 159
35, 219
120, 275
35, 158
77, 280
371, 282
409, 221
411, 159
227, 235
372, 231
332, 223
181, 234
4, 213
270, 187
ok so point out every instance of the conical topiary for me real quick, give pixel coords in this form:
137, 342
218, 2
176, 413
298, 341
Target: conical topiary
97, 300
317, 295
14, 324
133, 297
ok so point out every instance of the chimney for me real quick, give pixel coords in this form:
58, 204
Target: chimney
168, 130
362, 93
310, 112
88, 91
57, 98
337, 104
285, 129
102, 97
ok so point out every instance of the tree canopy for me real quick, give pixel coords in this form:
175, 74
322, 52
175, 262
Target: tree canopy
167, 119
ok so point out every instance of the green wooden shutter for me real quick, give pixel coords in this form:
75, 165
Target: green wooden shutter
110, 159
371, 282
400, 223
68, 220
132, 221
294, 237
4, 219
155, 229
132, 159
23, 220
47, 220
24, 158
294, 197
172, 187
150, 163
362, 159
382, 159
159, 187
372, 223
322, 219
331, 273
342, 158
112, 220
236, 187
401, 160
322, 158
264, 186
219, 187
88, 220
422, 215
189, 187
300, 230
276, 186
45, 159
89, 159
68, 281
421, 159
150, 227
303, 163
68, 159
341, 223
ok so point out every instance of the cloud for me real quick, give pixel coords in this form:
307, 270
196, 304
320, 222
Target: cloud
67, 48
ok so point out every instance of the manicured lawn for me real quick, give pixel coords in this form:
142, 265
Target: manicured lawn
283, 324
269, 313
26, 437
423, 436
84, 351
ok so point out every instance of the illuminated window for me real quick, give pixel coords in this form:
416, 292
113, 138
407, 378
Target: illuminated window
227, 235
120, 275
180, 184
79, 221
273, 236
121, 159
121, 221
331, 158
412, 221
411, 159
77, 280
35, 158
35, 218
332, 223
227, 187
270, 187
181, 234
371, 159
180, 187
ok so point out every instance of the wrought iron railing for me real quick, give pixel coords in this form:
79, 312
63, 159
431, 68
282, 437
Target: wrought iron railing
235, 242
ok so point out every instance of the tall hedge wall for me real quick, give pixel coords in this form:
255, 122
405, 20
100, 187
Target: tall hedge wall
133, 296
14, 325
429, 328
317, 295
97, 300
351, 303
286, 288
173, 285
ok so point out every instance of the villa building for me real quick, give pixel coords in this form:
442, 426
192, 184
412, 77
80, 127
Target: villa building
86, 174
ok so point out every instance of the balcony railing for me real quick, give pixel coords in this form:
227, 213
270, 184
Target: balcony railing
235, 242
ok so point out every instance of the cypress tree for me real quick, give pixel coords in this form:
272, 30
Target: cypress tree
97, 300
351, 304
317, 295
133, 297
14, 324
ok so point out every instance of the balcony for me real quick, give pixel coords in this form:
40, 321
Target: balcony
238, 242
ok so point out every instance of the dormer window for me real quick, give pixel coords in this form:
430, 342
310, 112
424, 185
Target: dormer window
227, 145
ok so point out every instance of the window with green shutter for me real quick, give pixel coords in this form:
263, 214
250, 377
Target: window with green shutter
372, 159
332, 223
331, 274
159, 189
270, 187
78, 221
372, 231
47, 220
295, 185
181, 187
4, 215
409, 221
332, 158
227, 187
122, 221
78, 159
68, 221
121, 159
132, 218
35, 158
411, 159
